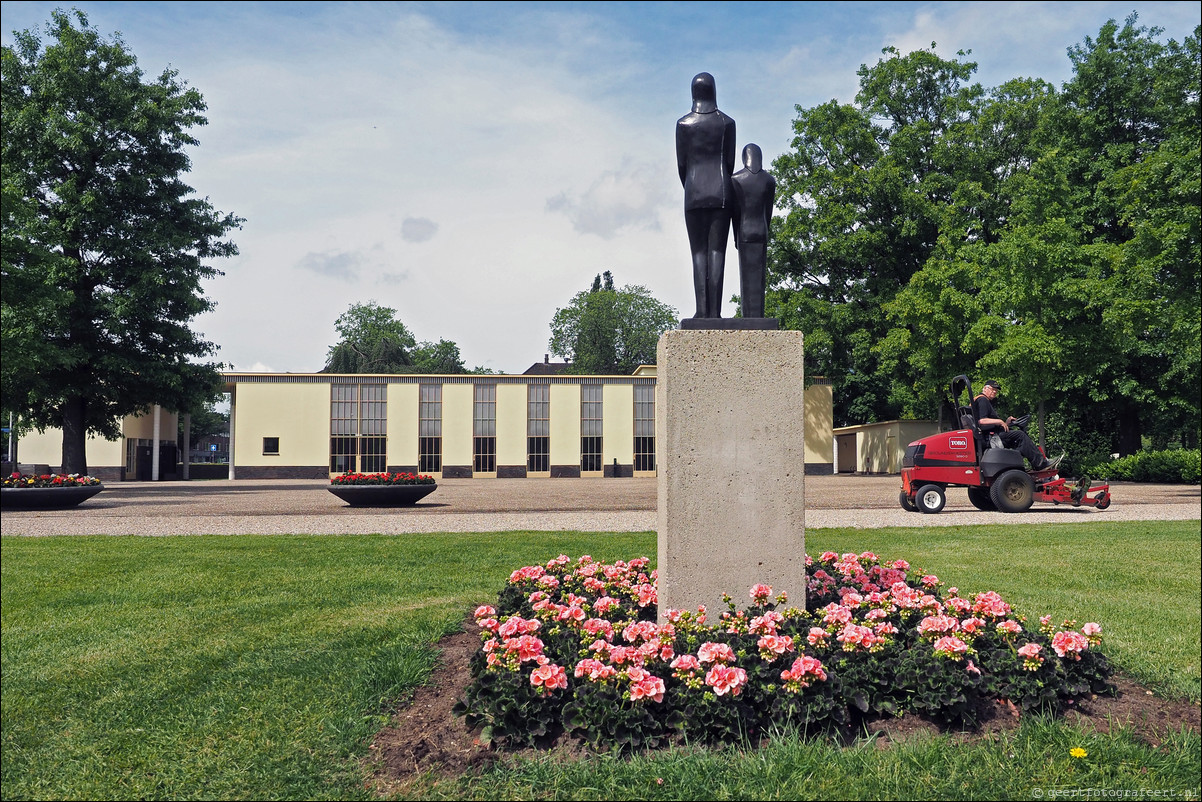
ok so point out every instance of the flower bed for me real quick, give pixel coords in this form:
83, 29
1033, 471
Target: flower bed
47, 491
354, 479
382, 489
49, 480
576, 648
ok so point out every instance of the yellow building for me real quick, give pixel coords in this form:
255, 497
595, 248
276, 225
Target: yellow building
130, 457
458, 426
314, 425
873, 448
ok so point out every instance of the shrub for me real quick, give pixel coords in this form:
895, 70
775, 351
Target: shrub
1173, 466
575, 648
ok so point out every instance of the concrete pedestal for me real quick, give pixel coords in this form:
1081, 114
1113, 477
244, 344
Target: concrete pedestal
731, 463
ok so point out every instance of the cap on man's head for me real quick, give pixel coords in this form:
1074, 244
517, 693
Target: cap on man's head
994, 385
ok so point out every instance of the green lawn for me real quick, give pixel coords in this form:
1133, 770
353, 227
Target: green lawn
258, 667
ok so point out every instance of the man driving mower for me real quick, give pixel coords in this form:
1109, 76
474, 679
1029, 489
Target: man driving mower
991, 423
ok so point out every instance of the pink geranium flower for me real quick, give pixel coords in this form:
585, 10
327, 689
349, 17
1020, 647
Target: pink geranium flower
599, 626
765, 624
516, 625
934, 625
715, 653
725, 679
951, 646
1031, 656
854, 636
644, 685
1069, 644
990, 605
549, 676
527, 647
773, 646
640, 631
835, 615
761, 593
805, 671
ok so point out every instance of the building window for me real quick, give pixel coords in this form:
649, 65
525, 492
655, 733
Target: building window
358, 428
538, 428
484, 429
271, 445
429, 431
590, 428
644, 427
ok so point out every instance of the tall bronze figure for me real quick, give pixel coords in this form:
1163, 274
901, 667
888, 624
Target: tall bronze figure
755, 194
705, 154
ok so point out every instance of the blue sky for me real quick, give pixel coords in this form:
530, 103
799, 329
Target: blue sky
474, 165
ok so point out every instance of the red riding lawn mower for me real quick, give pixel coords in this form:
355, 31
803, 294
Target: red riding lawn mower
995, 476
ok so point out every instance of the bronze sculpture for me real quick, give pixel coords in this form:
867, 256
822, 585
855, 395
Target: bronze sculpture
705, 156
755, 192
714, 196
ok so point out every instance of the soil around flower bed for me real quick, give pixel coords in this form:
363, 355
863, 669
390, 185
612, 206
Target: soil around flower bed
425, 738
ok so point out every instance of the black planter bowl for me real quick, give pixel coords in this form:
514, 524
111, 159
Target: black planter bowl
382, 495
46, 498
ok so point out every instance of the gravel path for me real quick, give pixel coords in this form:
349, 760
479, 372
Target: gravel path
498, 505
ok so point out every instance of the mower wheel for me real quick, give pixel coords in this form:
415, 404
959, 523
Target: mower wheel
1013, 491
930, 499
979, 497
906, 503
1103, 504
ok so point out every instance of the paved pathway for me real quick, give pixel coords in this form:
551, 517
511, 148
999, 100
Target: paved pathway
498, 505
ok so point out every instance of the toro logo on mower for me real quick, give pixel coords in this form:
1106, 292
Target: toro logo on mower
958, 442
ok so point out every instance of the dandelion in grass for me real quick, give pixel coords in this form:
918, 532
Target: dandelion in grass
1078, 752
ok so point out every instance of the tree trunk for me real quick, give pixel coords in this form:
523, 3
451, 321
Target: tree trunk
1042, 435
1130, 431
75, 459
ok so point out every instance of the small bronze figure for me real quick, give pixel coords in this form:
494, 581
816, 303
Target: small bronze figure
755, 194
705, 154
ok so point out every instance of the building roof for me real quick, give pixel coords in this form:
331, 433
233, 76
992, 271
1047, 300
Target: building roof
546, 367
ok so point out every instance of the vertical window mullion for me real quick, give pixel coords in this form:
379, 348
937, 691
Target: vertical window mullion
484, 428
538, 428
430, 428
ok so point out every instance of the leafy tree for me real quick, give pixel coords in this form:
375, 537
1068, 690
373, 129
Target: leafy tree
1047, 239
610, 331
104, 245
374, 340
863, 192
206, 421
1131, 132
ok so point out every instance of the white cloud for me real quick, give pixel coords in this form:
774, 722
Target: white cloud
340, 265
418, 229
474, 166
617, 201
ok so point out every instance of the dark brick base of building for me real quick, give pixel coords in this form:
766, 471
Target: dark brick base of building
282, 472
